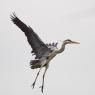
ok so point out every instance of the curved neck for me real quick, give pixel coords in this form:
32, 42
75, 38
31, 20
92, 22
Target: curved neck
62, 48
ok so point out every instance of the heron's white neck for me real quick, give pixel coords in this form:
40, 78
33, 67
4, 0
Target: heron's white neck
62, 48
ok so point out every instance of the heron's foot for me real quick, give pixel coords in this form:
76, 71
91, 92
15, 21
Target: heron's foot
42, 87
33, 85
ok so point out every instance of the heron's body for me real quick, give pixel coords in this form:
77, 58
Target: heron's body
48, 59
51, 56
44, 52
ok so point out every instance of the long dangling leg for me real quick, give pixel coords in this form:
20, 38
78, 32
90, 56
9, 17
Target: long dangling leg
36, 77
43, 63
42, 87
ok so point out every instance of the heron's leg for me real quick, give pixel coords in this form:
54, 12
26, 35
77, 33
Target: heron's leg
43, 63
36, 77
42, 87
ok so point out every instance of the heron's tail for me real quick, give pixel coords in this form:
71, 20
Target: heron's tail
34, 64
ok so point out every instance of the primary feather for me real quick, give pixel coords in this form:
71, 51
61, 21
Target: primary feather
39, 48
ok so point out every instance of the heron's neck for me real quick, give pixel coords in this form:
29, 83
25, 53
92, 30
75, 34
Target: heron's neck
62, 48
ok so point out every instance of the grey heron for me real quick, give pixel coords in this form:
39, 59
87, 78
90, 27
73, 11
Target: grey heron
44, 53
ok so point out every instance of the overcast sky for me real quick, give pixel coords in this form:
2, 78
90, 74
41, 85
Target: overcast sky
70, 73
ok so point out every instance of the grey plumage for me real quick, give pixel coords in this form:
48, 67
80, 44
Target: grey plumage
39, 48
44, 53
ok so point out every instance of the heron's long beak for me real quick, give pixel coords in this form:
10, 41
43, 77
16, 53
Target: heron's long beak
73, 42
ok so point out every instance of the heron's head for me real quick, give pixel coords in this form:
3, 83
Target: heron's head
68, 41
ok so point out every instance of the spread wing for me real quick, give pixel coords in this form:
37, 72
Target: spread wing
39, 48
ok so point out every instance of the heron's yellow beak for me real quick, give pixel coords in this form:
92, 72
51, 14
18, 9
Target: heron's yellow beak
73, 42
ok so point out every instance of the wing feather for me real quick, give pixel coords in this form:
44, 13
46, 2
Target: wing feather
38, 46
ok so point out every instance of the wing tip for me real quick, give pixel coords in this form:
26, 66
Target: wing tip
13, 16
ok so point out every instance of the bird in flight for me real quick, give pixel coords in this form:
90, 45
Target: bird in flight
44, 53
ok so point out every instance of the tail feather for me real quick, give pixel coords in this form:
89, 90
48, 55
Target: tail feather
35, 64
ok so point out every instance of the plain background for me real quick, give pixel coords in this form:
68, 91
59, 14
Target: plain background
70, 73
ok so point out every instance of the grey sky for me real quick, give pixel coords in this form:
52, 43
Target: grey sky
70, 73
